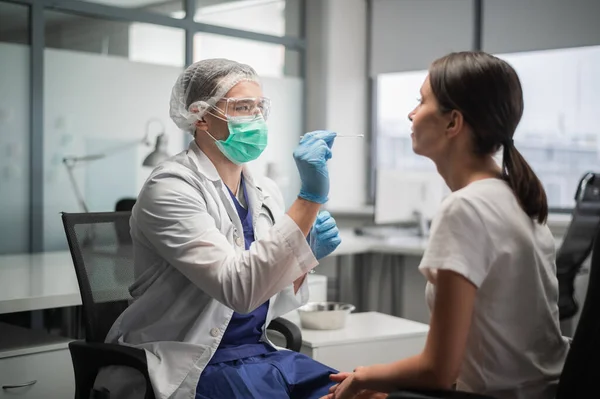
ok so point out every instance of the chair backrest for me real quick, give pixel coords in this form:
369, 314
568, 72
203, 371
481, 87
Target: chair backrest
125, 204
103, 264
580, 374
578, 240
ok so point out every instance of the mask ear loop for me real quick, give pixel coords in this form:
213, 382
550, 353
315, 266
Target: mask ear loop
208, 106
210, 135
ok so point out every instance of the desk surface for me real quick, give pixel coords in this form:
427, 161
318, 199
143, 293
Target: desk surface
48, 280
37, 281
371, 326
400, 245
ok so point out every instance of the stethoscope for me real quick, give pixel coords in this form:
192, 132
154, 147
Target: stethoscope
236, 234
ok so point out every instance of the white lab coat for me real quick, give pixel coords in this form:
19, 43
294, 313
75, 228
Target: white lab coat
192, 271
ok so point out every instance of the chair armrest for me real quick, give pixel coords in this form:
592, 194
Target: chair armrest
290, 331
435, 394
89, 357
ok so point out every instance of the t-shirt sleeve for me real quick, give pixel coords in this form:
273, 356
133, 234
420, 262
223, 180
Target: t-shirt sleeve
458, 242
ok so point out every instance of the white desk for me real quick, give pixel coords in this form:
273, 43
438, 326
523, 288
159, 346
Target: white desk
368, 338
402, 245
33, 358
48, 280
35, 364
37, 281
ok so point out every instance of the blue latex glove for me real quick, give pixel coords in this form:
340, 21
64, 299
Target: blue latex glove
324, 237
311, 157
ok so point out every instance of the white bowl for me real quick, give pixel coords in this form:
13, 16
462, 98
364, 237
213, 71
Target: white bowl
324, 315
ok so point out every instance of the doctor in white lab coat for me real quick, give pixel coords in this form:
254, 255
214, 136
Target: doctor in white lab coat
216, 256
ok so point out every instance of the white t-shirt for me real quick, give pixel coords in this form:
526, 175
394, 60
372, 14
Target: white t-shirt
515, 349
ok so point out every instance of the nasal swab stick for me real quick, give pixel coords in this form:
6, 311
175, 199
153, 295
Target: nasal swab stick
347, 135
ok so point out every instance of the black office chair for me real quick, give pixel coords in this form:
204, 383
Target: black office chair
104, 267
577, 243
580, 375
125, 204
435, 394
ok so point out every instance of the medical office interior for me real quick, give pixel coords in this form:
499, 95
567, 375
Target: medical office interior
84, 117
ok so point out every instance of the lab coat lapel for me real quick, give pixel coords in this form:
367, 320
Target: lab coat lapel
231, 212
255, 198
207, 169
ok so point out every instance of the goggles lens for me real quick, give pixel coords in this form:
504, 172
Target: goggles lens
244, 108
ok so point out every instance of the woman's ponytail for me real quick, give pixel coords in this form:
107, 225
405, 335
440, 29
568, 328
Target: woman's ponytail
525, 184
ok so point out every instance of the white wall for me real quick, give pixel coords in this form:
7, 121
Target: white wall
524, 25
337, 92
408, 35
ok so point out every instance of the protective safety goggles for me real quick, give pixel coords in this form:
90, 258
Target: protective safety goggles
243, 108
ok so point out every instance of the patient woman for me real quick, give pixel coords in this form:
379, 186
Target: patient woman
491, 284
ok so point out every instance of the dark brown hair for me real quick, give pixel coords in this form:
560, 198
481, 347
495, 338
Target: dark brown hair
487, 92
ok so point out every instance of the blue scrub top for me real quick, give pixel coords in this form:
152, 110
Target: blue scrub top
242, 336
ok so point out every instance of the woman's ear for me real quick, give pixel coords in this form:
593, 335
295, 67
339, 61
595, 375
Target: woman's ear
455, 123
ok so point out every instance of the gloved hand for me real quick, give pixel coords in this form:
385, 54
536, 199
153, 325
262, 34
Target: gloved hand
324, 237
311, 157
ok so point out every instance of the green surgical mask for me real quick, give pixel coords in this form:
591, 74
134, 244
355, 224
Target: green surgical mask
246, 141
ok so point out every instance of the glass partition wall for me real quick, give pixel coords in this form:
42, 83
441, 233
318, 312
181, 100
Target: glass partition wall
85, 84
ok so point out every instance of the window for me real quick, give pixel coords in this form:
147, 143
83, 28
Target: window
102, 72
173, 8
267, 59
15, 128
559, 134
271, 17
135, 41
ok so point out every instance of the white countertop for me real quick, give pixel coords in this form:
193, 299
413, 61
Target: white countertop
37, 281
372, 326
48, 280
408, 245
401, 245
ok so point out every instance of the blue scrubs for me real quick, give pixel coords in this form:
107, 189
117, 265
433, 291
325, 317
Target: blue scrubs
244, 367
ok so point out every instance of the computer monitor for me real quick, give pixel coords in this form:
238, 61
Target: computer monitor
399, 194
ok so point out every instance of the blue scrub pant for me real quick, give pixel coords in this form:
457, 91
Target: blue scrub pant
279, 374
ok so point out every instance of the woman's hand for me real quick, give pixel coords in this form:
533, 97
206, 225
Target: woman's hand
350, 386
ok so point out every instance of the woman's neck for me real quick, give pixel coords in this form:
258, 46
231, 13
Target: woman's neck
458, 173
